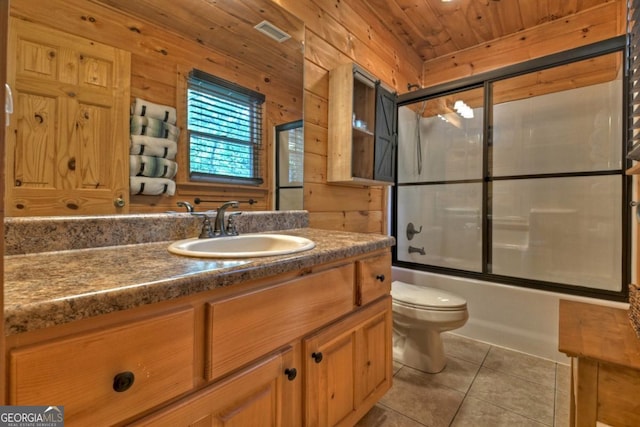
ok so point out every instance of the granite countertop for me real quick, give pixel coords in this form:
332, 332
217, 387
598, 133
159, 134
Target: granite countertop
51, 288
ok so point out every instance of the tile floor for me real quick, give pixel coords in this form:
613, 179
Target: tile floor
482, 386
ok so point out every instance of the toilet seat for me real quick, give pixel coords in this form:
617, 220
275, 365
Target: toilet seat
423, 298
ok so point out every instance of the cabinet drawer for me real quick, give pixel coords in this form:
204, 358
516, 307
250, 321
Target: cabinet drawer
373, 278
244, 327
83, 372
254, 396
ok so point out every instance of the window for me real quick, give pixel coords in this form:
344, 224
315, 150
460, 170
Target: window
224, 122
289, 166
518, 176
295, 153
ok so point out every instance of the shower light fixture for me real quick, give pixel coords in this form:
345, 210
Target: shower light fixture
463, 109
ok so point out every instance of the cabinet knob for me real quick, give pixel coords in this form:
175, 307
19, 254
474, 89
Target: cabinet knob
317, 357
119, 202
291, 373
380, 277
123, 381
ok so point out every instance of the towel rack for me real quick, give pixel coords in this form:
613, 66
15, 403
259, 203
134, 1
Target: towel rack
198, 200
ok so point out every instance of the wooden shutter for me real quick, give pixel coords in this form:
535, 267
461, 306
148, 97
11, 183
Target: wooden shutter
385, 137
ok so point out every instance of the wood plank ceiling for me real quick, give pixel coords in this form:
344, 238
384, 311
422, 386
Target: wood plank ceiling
227, 27
435, 28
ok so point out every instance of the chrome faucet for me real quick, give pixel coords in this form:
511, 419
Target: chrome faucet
413, 250
219, 228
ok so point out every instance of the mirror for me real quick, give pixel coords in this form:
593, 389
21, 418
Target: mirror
164, 39
289, 166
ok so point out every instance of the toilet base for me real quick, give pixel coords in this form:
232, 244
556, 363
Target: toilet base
419, 349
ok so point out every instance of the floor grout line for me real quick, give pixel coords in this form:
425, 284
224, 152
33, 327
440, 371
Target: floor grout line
465, 396
466, 393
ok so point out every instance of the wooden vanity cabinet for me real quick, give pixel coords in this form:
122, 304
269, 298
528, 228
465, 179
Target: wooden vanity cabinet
243, 355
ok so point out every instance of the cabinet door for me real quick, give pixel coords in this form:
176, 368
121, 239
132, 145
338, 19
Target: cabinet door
348, 366
257, 396
385, 136
69, 137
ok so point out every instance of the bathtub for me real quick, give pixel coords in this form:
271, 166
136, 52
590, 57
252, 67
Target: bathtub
520, 319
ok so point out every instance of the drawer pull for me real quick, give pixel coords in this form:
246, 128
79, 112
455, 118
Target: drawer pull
291, 373
380, 277
123, 381
317, 357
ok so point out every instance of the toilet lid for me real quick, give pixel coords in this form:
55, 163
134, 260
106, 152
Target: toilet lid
421, 296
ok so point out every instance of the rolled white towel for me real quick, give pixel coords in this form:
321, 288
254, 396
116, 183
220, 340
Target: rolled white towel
164, 113
154, 167
153, 127
143, 145
151, 186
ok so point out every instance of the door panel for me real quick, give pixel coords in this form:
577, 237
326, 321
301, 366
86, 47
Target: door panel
68, 147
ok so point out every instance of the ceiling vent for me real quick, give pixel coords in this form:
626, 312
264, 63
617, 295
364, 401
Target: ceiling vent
272, 31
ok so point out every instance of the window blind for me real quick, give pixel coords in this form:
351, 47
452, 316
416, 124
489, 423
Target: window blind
224, 121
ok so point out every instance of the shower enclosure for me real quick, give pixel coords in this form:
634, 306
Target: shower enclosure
519, 178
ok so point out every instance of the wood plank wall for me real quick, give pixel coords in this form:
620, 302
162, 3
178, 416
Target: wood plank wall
158, 62
336, 32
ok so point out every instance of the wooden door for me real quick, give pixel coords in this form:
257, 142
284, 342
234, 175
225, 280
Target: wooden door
67, 151
257, 396
348, 366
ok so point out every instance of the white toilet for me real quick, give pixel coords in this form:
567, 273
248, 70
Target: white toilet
420, 315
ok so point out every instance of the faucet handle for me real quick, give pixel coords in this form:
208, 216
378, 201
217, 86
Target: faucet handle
232, 229
207, 230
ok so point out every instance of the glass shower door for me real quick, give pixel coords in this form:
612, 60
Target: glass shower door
439, 194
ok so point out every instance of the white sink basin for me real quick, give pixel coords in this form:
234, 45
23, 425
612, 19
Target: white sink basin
243, 246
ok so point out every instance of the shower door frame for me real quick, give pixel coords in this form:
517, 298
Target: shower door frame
485, 80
